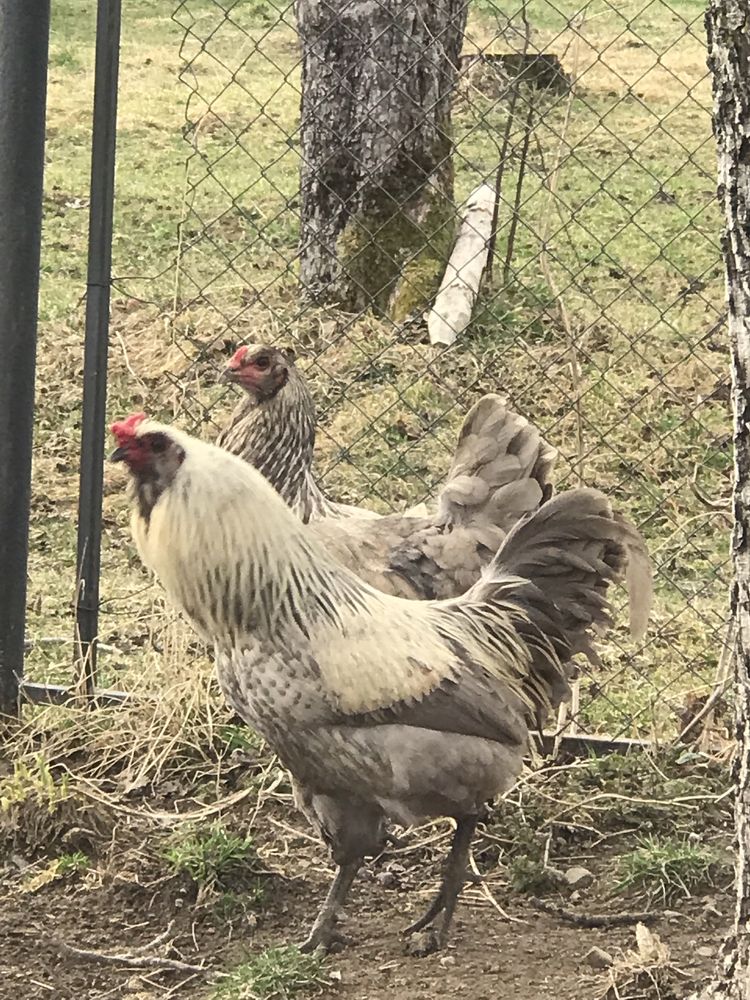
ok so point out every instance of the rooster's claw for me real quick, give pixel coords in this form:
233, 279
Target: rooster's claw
325, 940
423, 943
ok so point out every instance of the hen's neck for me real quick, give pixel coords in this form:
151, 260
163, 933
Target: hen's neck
278, 438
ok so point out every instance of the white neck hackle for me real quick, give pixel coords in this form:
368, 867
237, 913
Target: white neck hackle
221, 539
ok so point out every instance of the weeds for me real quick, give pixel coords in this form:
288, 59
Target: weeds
231, 906
72, 864
667, 868
33, 781
39, 807
65, 866
239, 738
210, 858
278, 973
530, 876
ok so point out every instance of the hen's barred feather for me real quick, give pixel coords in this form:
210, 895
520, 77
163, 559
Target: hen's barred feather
380, 707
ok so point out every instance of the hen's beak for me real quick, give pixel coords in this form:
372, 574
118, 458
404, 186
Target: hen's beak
229, 375
118, 455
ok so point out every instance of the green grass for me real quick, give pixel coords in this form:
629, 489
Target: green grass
212, 856
635, 804
73, 863
276, 974
239, 738
668, 869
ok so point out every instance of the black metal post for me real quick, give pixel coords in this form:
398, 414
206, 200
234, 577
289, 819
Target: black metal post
97, 334
24, 42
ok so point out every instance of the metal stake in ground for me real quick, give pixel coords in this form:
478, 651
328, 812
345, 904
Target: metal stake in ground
24, 40
97, 333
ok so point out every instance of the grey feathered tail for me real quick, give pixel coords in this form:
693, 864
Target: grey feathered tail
572, 550
501, 468
553, 573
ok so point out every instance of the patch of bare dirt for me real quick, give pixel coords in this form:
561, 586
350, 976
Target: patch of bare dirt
533, 955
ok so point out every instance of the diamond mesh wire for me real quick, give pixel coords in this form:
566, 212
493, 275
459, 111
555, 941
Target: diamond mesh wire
601, 320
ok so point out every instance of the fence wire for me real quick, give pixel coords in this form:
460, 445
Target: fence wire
600, 316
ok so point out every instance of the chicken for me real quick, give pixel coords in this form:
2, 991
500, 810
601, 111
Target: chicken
381, 708
500, 471
273, 428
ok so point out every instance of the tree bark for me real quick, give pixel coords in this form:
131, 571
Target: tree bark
377, 176
728, 30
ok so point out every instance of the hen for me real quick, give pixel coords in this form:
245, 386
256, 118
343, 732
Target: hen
501, 471
273, 428
380, 707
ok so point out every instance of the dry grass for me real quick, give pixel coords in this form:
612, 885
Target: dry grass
645, 971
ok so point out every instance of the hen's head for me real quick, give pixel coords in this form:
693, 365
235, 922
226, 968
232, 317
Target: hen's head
260, 369
150, 452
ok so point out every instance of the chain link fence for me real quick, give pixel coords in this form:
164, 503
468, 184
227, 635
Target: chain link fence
600, 315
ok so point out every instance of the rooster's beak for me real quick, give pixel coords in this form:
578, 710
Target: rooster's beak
118, 455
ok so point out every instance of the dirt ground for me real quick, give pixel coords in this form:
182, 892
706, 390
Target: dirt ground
531, 955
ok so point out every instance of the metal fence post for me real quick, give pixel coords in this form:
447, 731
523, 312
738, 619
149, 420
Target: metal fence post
24, 41
97, 333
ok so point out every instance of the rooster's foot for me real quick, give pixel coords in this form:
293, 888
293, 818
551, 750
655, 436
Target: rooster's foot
433, 938
325, 939
324, 936
423, 943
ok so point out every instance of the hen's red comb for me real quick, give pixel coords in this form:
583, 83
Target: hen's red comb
238, 358
124, 430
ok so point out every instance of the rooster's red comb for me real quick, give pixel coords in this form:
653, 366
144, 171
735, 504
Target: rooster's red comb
238, 358
124, 430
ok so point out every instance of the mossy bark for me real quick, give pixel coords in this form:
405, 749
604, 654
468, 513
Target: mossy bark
377, 177
728, 29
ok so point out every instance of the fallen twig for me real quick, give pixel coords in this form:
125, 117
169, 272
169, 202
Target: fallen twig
723, 506
486, 891
137, 961
590, 919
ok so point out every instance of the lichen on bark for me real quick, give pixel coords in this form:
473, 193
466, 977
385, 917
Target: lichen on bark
392, 254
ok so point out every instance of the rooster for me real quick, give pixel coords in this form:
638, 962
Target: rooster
380, 707
501, 470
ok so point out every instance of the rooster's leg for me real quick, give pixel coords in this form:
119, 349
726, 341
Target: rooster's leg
324, 934
453, 880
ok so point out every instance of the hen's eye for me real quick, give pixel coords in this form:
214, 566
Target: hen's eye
263, 362
158, 444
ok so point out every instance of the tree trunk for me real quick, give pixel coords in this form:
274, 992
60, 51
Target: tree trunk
728, 29
377, 175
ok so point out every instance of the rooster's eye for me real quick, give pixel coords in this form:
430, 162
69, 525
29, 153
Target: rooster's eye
262, 363
158, 443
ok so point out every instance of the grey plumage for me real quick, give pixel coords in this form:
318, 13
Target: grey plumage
380, 707
501, 470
